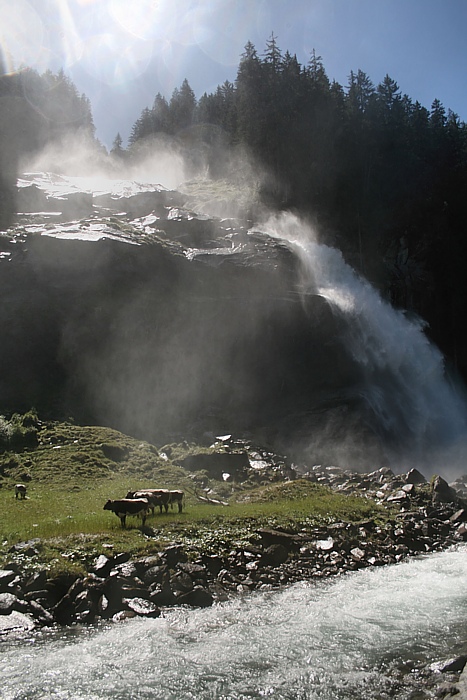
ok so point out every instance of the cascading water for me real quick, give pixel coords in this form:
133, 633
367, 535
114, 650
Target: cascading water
366, 635
419, 413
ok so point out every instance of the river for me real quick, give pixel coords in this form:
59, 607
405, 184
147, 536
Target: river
349, 637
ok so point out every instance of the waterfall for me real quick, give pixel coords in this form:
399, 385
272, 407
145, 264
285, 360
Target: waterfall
417, 410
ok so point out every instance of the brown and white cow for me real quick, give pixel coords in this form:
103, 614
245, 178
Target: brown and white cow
129, 506
20, 490
156, 497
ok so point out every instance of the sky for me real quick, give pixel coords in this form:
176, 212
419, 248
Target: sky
121, 53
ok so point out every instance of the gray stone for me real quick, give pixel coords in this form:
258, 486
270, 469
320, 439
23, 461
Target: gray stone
442, 492
357, 553
415, 477
397, 497
142, 606
123, 615
40, 613
102, 566
15, 622
459, 516
325, 545
275, 555
8, 602
213, 563
6, 577
127, 569
181, 582
154, 574
174, 555
199, 597
450, 665
63, 610
193, 570
36, 582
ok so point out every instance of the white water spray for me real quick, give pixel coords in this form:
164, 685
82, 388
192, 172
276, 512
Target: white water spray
345, 639
415, 408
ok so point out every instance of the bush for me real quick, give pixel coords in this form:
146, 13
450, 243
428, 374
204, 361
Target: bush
19, 432
5, 433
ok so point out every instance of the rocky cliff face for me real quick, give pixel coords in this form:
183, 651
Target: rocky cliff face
120, 306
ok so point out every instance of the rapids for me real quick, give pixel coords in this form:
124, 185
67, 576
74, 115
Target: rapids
365, 635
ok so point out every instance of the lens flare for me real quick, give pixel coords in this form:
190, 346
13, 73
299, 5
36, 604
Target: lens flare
114, 62
220, 27
21, 34
146, 20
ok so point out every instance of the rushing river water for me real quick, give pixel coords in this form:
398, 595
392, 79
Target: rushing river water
343, 638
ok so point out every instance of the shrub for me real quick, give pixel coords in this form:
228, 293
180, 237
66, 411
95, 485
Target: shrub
5, 433
19, 432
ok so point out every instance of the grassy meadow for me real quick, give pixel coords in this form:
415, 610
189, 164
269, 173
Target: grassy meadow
72, 470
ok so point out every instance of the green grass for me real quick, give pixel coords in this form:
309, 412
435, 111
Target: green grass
59, 512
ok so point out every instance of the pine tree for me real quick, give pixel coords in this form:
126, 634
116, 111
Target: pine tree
117, 149
182, 108
161, 114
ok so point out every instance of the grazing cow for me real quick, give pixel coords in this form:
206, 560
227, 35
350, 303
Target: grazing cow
156, 497
20, 490
129, 506
176, 497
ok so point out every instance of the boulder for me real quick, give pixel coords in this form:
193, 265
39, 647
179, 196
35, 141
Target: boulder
415, 477
155, 574
15, 622
102, 566
6, 577
199, 597
8, 603
141, 606
36, 581
214, 564
460, 516
162, 595
357, 554
181, 581
397, 497
450, 665
173, 555
275, 555
442, 492
63, 611
43, 616
286, 539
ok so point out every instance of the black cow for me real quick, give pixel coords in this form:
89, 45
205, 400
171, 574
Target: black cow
20, 490
176, 497
129, 506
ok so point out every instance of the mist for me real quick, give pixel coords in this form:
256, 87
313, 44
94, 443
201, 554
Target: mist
79, 155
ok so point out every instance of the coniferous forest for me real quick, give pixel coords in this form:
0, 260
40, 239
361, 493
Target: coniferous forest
382, 177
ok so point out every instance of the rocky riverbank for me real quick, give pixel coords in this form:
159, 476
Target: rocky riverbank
422, 518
